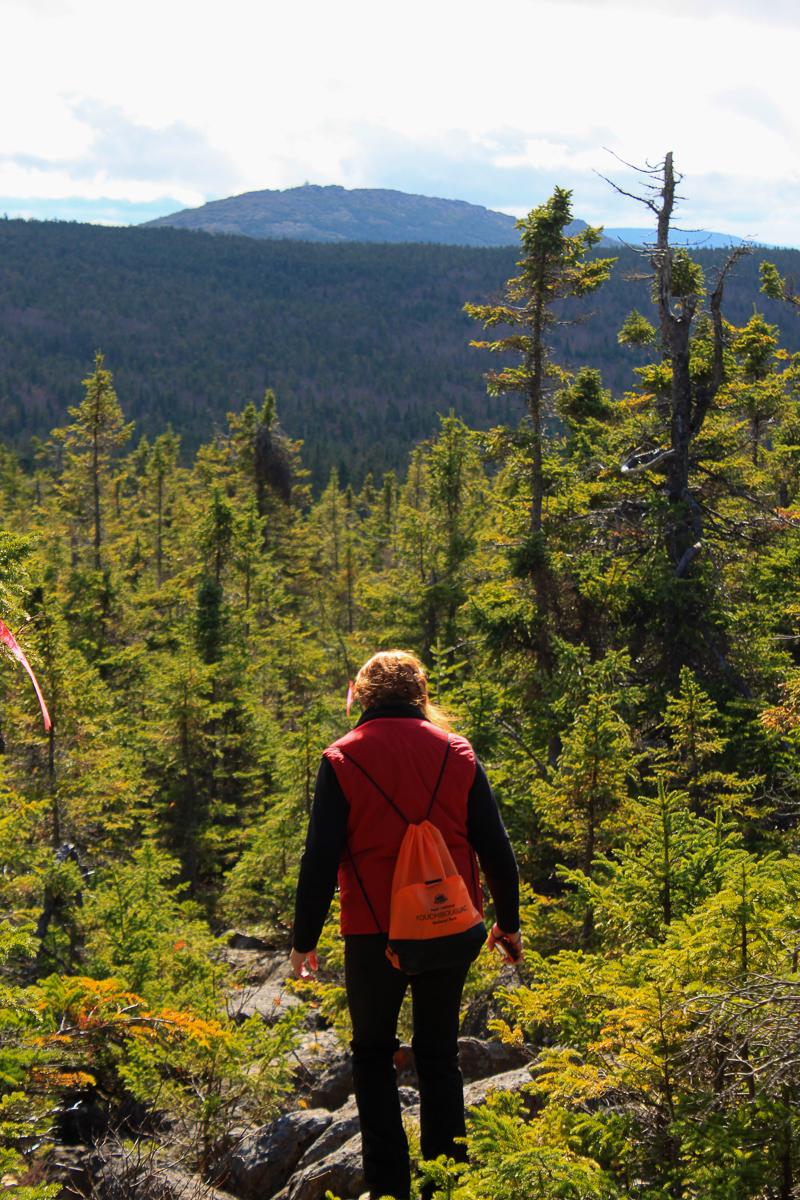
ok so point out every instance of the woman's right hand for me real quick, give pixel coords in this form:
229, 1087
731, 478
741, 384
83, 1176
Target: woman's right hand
298, 963
509, 944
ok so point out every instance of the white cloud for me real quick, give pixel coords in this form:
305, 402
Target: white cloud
756, 105
435, 97
121, 152
768, 12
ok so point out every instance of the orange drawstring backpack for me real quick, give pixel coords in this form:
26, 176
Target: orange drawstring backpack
432, 920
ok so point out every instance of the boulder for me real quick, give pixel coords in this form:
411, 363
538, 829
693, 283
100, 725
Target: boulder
243, 941
344, 1126
475, 1094
479, 1059
335, 1084
263, 1161
340, 1173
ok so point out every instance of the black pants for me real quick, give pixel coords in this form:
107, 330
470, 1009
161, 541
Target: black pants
375, 991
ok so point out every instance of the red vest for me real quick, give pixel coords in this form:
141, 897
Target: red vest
404, 755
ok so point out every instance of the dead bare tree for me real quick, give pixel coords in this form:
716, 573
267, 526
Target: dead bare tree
677, 287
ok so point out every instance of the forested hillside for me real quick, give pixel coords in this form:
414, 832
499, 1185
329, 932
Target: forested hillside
363, 344
609, 612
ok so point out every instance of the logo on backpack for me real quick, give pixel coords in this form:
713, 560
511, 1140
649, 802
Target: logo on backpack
440, 899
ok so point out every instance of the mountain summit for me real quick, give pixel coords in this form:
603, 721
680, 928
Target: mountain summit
312, 213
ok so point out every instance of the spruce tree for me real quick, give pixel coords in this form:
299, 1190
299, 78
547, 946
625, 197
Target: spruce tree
98, 429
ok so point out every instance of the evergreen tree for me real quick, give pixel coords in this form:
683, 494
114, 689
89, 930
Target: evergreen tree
98, 429
160, 466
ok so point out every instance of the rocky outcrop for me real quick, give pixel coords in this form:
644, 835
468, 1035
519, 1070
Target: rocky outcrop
263, 1161
269, 1163
304, 1153
343, 1127
112, 1170
477, 1059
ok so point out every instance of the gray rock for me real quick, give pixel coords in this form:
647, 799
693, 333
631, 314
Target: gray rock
345, 1125
263, 1161
479, 1059
244, 941
334, 1085
337, 1133
315, 1054
268, 996
475, 1094
318, 1050
333, 1161
340, 1173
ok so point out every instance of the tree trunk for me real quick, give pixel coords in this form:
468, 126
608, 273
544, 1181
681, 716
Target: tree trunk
536, 369
189, 831
51, 774
158, 531
96, 493
667, 894
675, 333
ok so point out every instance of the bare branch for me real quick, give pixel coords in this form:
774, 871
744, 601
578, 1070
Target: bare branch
688, 555
631, 195
644, 460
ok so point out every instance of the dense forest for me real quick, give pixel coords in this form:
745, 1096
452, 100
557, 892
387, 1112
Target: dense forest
365, 345
607, 605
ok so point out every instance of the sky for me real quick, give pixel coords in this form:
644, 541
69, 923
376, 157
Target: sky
120, 112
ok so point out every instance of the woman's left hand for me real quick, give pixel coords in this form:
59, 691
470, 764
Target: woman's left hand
298, 963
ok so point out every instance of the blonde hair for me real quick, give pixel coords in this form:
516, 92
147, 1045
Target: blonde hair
396, 677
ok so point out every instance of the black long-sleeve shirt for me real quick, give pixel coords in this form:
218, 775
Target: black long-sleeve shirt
325, 842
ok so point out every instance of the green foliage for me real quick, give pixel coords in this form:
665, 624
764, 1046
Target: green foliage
687, 276
671, 863
625, 664
23, 1120
636, 331
772, 284
585, 399
141, 932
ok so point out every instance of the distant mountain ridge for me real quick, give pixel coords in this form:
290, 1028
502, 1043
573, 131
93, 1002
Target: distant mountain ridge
313, 213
